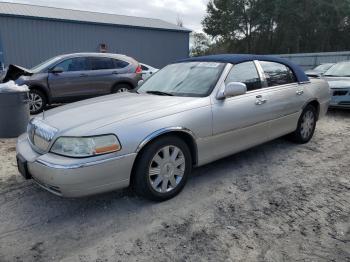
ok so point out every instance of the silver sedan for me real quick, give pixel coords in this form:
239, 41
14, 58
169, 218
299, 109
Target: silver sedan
189, 114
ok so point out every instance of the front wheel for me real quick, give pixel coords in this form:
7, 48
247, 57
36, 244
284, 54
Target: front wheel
162, 169
306, 126
37, 101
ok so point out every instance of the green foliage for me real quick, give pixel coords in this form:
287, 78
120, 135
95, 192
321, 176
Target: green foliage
200, 43
278, 26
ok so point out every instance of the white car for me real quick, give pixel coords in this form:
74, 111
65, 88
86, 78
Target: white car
147, 71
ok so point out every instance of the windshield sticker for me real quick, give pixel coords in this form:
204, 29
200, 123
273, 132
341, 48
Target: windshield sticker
206, 64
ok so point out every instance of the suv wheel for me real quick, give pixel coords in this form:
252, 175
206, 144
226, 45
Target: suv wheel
162, 169
121, 88
37, 101
306, 126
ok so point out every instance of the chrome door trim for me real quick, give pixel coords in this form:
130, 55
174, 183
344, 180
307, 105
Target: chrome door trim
261, 74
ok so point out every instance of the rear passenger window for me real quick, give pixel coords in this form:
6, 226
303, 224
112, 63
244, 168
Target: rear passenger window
101, 63
277, 74
118, 64
245, 73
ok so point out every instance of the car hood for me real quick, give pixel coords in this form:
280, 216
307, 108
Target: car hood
14, 72
83, 117
313, 73
338, 82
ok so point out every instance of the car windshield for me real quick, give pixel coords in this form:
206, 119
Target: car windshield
42, 66
323, 68
339, 70
194, 79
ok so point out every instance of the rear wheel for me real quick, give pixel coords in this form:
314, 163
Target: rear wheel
162, 169
306, 126
121, 88
37, 101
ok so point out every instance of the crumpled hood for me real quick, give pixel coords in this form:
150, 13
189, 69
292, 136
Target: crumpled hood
88, 115
338, 82
14, 72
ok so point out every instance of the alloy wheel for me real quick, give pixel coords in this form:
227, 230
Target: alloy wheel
35, 102
307, 124
167, 169
122, 90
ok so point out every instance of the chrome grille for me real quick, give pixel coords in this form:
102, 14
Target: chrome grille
40, 134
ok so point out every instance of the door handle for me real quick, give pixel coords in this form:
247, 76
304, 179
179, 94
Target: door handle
115, 73
260, 100
83, 75
300, 92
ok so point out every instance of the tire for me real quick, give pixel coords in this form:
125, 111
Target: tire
306, 126
158, 177
121, 88
37, 101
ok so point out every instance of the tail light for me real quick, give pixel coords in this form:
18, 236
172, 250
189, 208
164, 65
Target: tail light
138, 70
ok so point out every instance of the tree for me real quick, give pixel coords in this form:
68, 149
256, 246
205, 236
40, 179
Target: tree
200, 43
279, 26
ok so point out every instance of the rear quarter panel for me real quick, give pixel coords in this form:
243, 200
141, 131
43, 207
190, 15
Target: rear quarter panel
318, 89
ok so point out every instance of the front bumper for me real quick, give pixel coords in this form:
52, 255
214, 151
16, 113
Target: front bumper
71, 177
340, 98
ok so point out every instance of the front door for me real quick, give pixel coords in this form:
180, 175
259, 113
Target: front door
243, 121
72, 82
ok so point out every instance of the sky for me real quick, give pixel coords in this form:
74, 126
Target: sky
191, 12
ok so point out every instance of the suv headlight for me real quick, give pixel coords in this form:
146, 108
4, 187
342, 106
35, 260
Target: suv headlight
86, 146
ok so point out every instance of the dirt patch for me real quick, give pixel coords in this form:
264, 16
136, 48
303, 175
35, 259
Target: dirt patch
275, 202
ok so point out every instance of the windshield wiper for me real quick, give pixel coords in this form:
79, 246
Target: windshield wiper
160, 93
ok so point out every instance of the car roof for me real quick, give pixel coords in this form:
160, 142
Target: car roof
240, 58
91, 54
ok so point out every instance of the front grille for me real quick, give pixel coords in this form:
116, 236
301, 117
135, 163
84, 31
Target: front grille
340, 93
40, 134
344, 103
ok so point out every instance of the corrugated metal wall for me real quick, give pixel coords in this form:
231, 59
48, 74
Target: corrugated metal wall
311, 60
28, 41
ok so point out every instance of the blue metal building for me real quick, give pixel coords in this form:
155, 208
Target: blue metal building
30, 34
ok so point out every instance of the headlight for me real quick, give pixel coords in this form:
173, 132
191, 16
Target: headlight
86, 146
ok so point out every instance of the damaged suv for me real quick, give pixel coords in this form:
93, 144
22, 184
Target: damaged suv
73, 77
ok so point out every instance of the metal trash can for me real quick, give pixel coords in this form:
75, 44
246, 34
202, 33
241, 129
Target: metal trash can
14, 113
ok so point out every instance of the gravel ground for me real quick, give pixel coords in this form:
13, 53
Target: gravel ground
275, 202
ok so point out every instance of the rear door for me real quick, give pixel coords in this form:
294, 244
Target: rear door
104, 73
72, 82
284, 95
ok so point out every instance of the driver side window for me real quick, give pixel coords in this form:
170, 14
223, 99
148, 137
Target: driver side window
73, 64
246, 73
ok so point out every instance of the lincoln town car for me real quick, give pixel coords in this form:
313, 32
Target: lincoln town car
190, 113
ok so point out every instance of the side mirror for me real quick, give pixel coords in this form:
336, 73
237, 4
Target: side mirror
57, 70
232, 89
140, 82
